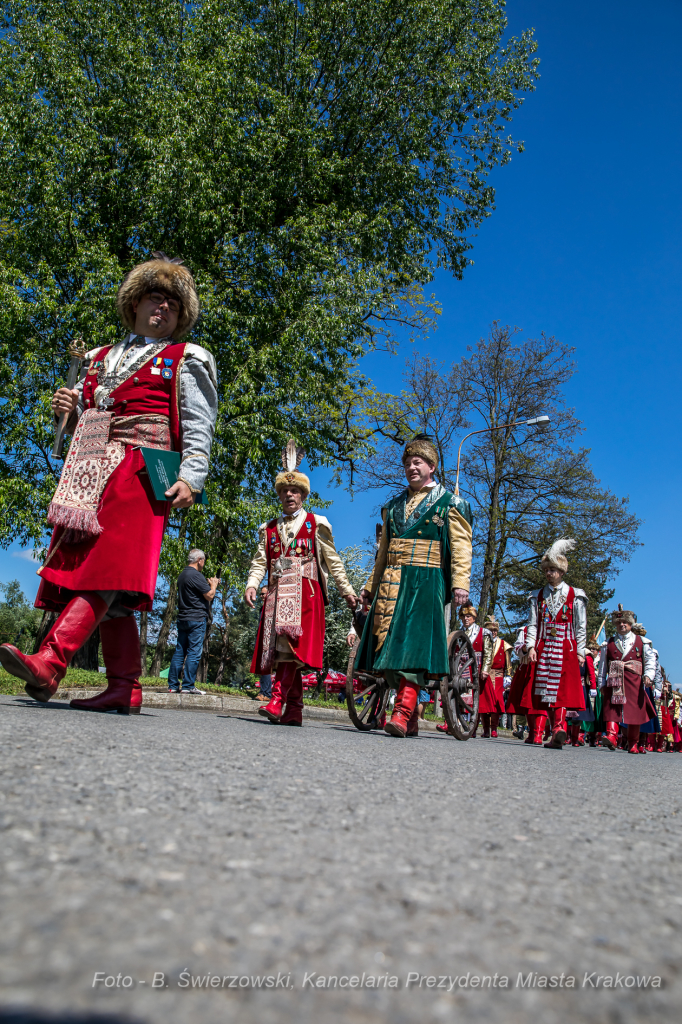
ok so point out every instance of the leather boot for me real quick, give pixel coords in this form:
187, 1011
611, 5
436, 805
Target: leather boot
44, 671
485, 722
494, 722
574, 731
121, 653
413, 724
273, 709
597, 739
405, 703
633, 739
536, 728
610, 737
293, 698
443, 728
558, 737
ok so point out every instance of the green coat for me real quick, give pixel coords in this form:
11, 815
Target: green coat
416, 640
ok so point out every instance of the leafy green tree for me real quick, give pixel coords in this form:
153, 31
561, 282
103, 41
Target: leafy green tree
312, 162
19, 621
524, 484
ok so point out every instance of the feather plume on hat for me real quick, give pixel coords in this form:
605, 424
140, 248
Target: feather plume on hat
555, 555
292, 457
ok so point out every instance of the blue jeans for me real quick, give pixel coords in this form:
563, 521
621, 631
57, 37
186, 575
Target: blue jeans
188, 650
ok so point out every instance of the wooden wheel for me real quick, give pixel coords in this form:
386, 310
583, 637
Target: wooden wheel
463, 679
372, 698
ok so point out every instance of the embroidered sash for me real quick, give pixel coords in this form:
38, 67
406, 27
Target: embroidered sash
282, 614
97, 449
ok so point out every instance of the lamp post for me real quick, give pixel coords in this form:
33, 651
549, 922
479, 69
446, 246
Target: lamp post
541, 422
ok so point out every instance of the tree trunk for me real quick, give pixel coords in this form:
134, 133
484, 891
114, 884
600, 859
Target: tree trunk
224, 633
143, 642
88, 655
46, 623
166, 623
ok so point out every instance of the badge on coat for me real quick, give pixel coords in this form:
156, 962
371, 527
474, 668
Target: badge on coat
167, 374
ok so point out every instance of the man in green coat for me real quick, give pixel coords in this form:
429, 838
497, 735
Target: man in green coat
423, 563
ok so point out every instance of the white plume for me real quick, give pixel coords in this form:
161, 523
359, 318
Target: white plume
292, 457
559, 547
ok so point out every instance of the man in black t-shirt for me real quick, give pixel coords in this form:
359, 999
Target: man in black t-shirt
195, 594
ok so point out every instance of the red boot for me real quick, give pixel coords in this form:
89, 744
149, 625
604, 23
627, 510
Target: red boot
292, 698
121, 653
494, 722
536, 728
273, 709
405, 703
443, 728
610, 737
574, 731
413, 724
633, 739
485, 722
558, 737
44, 671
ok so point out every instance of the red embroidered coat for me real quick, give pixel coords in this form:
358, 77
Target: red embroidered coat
308, 646
125, 556
491, 700
637, 708
557, 661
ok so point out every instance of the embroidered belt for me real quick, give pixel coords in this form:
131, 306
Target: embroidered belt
97, 449
425, 553
401, 551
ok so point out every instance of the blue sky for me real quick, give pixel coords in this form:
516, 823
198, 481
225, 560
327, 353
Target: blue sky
585, 245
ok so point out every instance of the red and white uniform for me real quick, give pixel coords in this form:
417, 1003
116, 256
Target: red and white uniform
557, 629
628, 704
491, 700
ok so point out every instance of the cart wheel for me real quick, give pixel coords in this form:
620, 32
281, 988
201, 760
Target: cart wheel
460, 717
373, 697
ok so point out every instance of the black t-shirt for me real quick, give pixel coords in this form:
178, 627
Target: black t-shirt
192, 607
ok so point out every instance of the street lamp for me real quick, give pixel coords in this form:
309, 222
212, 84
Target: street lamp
541, 422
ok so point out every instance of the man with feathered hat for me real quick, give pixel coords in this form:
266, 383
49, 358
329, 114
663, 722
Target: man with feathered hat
627, 666
423, 563
297, 552
555, 642
150, 390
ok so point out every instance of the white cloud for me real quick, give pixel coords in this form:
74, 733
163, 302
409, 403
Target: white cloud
27, 555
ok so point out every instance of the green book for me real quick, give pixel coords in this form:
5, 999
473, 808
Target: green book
163, 468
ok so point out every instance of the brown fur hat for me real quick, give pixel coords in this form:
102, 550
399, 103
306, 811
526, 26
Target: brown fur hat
491, 623
170, 276
622, 615
423, 446
468, 609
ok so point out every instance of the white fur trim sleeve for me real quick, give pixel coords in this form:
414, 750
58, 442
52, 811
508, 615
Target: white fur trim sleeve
580, 621
532, 623
198, 414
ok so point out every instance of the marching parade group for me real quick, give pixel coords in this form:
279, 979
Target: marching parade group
153, 390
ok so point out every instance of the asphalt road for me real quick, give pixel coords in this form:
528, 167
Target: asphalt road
187, 848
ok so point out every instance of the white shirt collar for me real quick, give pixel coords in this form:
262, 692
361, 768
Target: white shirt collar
147, 341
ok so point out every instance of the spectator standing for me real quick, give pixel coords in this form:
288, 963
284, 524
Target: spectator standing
195, 594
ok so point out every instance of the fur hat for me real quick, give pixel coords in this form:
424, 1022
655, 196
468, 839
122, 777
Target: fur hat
170, 276
623, 616
594, 644
468, 609
555, 555
292, 457
639, 629
491, 623
423, 446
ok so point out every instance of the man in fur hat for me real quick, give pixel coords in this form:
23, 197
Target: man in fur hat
491, 701
297, 552
556, 636
627, 665
423, 563
153, 390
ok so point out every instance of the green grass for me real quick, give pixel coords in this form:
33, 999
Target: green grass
78, 677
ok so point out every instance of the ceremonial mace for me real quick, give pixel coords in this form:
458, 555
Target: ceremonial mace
77, 352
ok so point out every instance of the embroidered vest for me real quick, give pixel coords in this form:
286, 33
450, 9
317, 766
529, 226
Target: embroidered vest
302, 546
636, 652
499, 657
148, 391
564, 615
